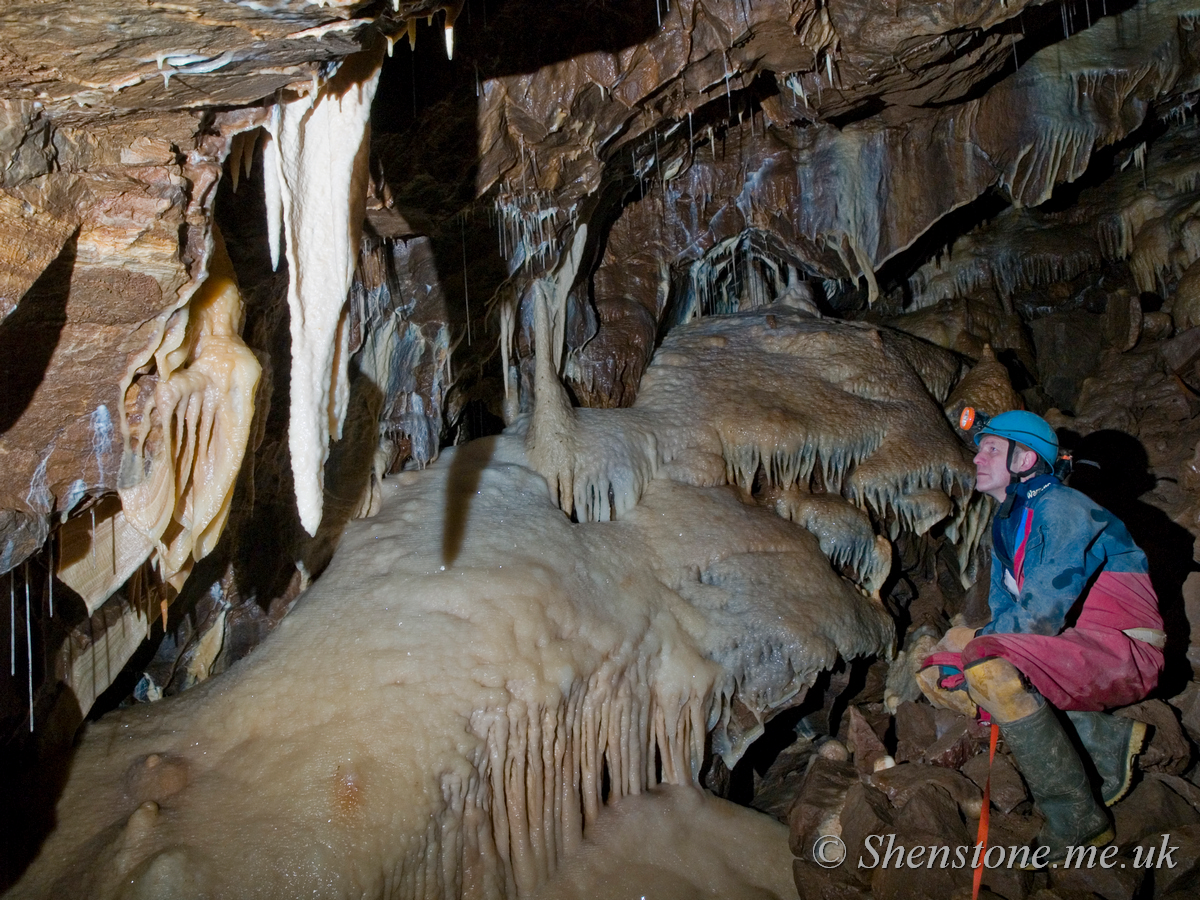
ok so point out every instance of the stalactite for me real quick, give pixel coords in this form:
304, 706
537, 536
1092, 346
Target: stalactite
99, 554
316, 177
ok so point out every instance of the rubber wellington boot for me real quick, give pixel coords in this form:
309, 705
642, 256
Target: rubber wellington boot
1112, 742
1058, 782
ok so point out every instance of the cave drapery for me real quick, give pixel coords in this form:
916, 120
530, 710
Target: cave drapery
731, 264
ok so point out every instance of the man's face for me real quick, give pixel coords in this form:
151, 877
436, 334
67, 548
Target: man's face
991, 466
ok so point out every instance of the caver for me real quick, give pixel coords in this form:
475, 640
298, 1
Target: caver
1055, 552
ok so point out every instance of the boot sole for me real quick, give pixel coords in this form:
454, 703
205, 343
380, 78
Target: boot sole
1137, 737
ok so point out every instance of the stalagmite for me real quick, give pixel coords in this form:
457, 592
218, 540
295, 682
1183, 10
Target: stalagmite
316, 190
534, 655
674, 843
784, 396
179, 473
550, 440
490, 670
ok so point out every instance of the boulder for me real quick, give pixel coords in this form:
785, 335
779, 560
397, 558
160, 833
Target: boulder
930, 819
864, 743
903, 782
915, 730
776, 791
1187, 702
1118, 881
1008, 790
866, 812
1148, 808
1009, 832
1178, 875
959, 738
815, 882
1168, 749
818, 808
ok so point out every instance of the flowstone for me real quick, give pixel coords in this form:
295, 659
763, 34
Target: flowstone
475, 677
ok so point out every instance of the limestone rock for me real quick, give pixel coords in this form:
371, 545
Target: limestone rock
1008, 790
822, 883
867, 812
1175, 875
865, 745
1118, 881
1167, 749
1123, 321
1143, 812
904, 781
1188, 704
959, 739
915, 730
1010, 831
1185, 304
930, 818
818, 808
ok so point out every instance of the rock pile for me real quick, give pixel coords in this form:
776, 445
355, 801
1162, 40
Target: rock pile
887, 803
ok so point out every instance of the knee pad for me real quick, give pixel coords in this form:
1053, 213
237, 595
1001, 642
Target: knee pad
999, 687
957, 699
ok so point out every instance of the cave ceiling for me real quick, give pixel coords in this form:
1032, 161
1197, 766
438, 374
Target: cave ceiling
654, 164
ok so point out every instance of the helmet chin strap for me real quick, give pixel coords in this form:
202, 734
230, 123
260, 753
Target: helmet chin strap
1038, 467
1006, 507
1008, 463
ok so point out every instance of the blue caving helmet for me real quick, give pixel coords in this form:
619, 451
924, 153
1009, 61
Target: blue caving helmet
1025, 428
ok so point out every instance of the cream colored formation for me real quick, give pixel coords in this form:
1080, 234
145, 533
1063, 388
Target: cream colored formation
806, 406
315, 180
677, 844
475, 676
177, 484
187, 436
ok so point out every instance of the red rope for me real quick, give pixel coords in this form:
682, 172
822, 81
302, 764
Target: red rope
982, 834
